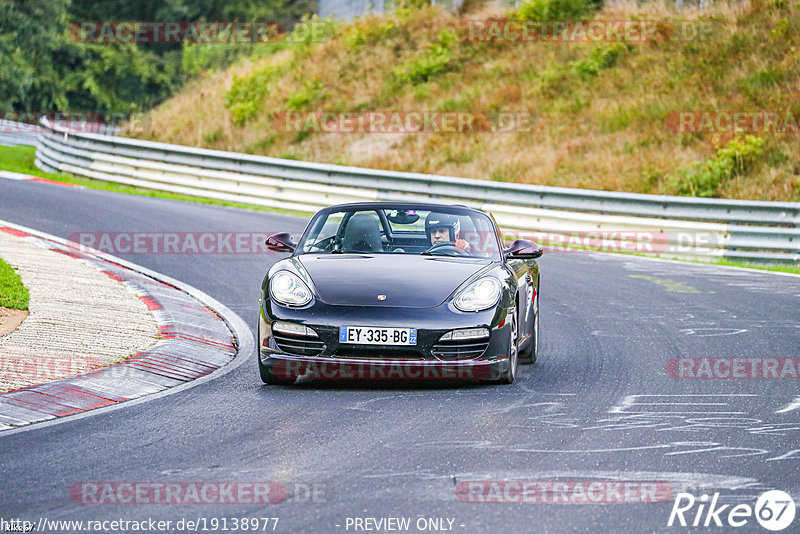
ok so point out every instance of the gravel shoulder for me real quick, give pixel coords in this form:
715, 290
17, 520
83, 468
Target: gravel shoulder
79, 318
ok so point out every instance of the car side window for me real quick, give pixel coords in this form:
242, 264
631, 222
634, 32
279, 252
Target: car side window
321, 239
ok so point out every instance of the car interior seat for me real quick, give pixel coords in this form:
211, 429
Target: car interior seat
362, 234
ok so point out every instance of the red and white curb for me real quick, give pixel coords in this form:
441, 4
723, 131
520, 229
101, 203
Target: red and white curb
199, 339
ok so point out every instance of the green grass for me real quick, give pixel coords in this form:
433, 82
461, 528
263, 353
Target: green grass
781, 268
794, 269
12, 293
20, 159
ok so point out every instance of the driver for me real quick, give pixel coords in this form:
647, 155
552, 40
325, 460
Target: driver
445, 228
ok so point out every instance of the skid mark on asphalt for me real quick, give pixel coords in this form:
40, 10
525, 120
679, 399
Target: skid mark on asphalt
671, 286
417, 475
544, 406
711, 332
750, 281
795, 404
791, 455
389, 402
724, 418
684, 319
633, 401
691, 447
718, 424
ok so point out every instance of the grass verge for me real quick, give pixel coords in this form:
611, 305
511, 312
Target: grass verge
794, 269
12, 293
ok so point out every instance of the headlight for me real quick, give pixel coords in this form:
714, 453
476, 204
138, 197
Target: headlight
287, 288
479, 295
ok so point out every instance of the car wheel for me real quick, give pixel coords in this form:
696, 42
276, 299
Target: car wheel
513, 354
531, 351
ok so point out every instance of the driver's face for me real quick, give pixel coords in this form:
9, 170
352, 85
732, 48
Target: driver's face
440, 235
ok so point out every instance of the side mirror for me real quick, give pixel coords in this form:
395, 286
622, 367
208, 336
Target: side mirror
524, 250
281, 242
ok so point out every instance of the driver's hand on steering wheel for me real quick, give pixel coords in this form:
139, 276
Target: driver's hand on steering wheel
462, 245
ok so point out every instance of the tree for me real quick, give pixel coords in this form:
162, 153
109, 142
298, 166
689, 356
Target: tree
32, 39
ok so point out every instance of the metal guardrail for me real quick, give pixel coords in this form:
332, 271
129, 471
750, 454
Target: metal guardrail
13, 133
662, 225
16, 133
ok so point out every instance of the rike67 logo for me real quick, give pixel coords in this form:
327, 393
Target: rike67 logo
774, 510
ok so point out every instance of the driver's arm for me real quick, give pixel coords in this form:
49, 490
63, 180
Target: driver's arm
461, 244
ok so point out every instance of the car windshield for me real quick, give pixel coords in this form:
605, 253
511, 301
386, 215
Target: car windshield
399, 229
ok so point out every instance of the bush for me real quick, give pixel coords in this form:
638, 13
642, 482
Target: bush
601, 58
246, 95
309, 93
434, 60
736, 158
557, 9
370, 31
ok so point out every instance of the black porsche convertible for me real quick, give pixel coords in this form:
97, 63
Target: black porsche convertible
388, 290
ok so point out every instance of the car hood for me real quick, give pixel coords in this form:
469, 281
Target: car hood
405, 280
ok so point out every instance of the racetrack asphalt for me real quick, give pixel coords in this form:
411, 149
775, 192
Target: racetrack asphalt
599, 405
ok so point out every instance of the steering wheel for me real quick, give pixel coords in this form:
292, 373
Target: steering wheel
449, 247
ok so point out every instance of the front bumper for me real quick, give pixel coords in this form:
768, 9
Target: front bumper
291, 367
324, 358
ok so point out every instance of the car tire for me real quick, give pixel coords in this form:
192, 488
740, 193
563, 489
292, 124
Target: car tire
529, 354
513, 354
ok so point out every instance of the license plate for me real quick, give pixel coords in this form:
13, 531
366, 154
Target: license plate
377, 335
